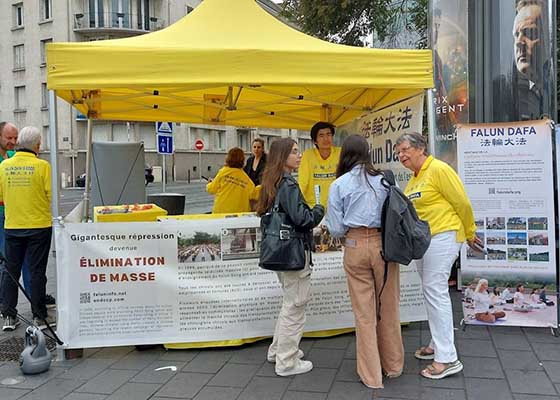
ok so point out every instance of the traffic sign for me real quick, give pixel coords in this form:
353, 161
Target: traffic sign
199, 144
165, 144
164, 128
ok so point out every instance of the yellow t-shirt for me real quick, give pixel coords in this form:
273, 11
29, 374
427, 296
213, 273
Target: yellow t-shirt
25, 189
314, 170
440, 199
233, 190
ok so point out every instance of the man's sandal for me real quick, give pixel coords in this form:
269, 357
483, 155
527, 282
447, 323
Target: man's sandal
432, 372
423, 354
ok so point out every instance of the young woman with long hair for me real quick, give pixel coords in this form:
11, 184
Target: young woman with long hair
354, 211
278, 184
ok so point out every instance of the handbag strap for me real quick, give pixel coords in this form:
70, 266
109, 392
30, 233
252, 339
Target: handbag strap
276, 205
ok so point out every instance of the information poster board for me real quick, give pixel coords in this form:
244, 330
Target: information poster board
189, 281
507, 172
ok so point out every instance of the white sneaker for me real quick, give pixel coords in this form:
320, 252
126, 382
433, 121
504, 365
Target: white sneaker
272, 359
301, 367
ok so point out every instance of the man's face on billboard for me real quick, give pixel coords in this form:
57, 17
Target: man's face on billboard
528, 40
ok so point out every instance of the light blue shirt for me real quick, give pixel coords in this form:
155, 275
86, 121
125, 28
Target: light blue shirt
353, 203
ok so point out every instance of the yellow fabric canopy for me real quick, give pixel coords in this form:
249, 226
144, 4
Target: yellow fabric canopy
230, 62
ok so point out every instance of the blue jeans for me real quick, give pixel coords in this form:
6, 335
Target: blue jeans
33, 244
26, 277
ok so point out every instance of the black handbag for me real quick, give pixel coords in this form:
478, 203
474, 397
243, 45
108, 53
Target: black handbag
282, 247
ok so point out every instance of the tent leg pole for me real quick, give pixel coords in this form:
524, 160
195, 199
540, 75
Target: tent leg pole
53, 138
88, 169
431, 122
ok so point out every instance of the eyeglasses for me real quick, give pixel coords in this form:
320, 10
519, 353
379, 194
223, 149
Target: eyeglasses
403, 150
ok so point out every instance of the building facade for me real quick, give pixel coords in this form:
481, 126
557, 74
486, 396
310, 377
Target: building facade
28, 26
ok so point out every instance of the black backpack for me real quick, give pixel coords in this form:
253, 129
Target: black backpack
405, 237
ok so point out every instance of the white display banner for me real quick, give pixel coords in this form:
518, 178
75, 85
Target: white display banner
188, 281
507, 172
383, 128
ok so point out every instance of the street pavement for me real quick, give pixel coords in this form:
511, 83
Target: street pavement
501, 363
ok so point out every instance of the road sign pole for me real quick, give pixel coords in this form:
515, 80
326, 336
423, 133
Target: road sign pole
163, 173
200, 166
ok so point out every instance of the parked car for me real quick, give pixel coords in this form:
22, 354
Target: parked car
148, 175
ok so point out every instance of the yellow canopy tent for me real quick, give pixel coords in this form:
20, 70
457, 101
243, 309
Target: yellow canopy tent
230, 62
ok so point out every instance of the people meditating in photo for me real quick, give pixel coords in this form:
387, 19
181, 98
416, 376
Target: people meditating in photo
483, 302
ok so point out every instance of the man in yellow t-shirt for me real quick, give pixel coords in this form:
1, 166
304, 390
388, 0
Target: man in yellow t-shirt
318, 165
25, 189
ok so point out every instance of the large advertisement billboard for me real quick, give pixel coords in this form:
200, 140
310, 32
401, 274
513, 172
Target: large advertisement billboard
519, 73
449, 42
493, 62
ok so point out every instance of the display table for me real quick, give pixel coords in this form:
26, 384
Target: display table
128, 213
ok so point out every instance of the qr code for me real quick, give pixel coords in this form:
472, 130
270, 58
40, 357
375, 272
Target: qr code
85, 298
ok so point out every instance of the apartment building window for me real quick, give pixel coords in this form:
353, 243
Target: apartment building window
46, 138
17, 14
143, 11
120, 13
20, 101
221, 140
243, 140
44, 43
45, 10
96, 14
44, 96
19, 56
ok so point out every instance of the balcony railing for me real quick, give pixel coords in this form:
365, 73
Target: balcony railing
116, 20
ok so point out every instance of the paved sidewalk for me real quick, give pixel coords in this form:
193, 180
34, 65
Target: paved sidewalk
500, 363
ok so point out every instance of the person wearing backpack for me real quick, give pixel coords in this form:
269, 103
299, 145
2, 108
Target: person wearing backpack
440, 199
355, 202
286, 225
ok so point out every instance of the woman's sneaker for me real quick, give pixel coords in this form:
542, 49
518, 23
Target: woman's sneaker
10, 324
301, 367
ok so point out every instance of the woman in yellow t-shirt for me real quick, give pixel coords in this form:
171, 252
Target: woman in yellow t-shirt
232, 187
440, 199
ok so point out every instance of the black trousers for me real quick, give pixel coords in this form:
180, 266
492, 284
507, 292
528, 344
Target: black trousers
33, 244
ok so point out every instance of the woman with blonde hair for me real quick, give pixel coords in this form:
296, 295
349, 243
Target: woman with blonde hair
482, 303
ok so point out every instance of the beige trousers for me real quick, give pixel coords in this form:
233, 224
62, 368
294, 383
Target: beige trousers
379, 346
296, 287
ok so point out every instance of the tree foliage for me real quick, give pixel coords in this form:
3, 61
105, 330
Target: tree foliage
349, 22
